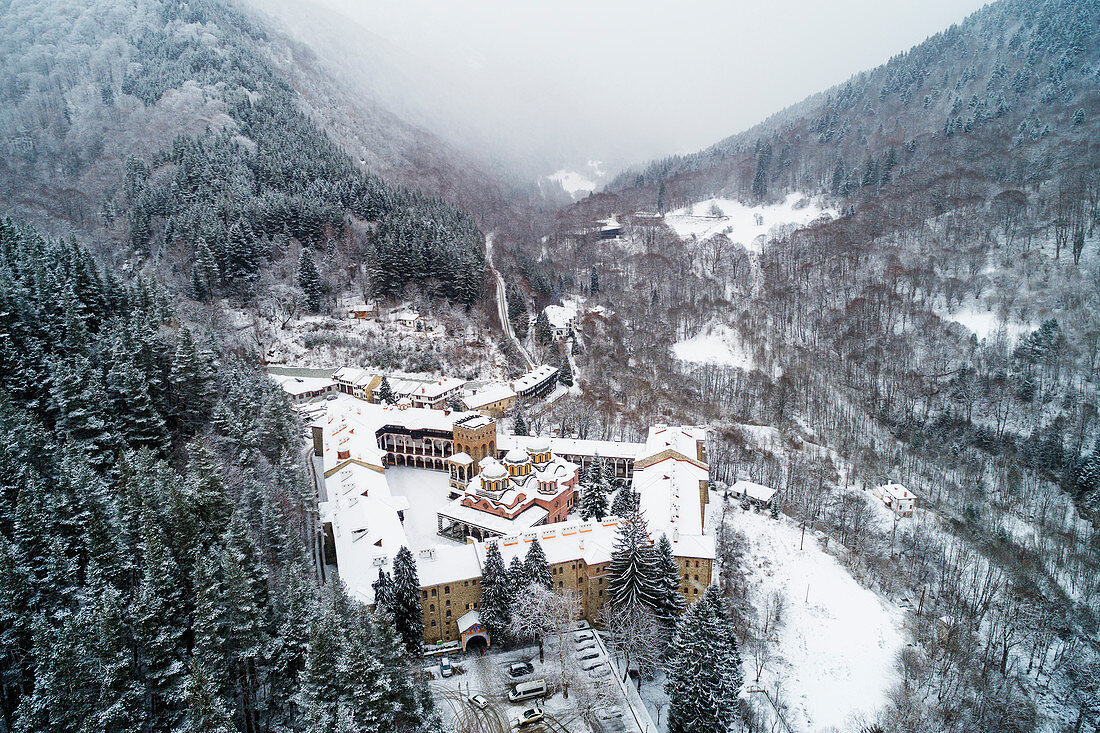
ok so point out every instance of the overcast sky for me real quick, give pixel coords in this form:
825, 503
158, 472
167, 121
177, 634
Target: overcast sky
629, 80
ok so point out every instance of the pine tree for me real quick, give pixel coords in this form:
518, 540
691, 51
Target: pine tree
519, 423
496, 607
704, 674
625, 502
385, 392
536, 569
322, 687
407, 612
632, 572
121, 703
192, 393
543, 334
159, 627
565, 372
593, 280
142, 426
309, 280
517, 578
595, 489
383, 591
205, 710
670, 603
760, 177
368, 704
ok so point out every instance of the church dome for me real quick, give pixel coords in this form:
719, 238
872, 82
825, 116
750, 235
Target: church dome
538, 444
515, 456
493, 470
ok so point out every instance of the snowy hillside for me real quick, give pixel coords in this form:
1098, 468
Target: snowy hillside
749, 225
715, 344
833, 655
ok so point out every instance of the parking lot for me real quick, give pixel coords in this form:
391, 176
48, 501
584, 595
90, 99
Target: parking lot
474, 699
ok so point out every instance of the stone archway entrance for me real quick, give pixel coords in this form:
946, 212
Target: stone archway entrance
472, 632
477, 643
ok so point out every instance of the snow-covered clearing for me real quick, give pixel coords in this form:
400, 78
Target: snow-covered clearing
983, 322
427, 493
718, 344
749, 225
579, 183
834, 656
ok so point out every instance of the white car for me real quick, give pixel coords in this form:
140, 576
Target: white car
478, 701
530, 717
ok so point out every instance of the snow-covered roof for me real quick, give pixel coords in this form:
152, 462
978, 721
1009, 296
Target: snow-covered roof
438, 388
534, 377
468, 619
462, 458
468, 515
297, 386
572, 446
473, 420
683, 439
487, 395
591, 541
353, 375
668, 495
897, 491
516, 456
755, 491
560, 316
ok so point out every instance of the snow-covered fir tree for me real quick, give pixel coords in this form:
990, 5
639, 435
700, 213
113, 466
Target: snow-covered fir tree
385, 392
496, 596
633, 570
625, 502
704, 672
407, 613
309, 280
536, 569
670, 603
595, 489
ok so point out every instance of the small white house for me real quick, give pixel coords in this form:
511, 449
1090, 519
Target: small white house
562, 320
304, 389
757, 494
897, 499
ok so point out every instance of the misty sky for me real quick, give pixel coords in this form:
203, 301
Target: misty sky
628, 80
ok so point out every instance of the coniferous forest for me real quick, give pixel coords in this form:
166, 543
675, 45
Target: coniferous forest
183, 195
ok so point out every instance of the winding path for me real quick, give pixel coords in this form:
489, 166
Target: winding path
502, 303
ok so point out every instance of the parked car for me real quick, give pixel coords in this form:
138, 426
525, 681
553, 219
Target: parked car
519, 669
598, 672
586, 645
527, 691
582, 636
594, 664
445, 668
479, 701
594, 654
530, 716
610, 713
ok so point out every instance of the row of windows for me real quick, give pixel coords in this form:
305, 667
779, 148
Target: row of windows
447, 589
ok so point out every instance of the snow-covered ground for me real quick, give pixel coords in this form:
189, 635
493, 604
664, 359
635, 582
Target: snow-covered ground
749, 225
579, 183
833, 659
718, 344
427, 493
487, 675
984, 323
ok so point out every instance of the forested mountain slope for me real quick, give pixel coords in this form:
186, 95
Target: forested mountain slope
157, 529
1009, 95
942, 331
167, 126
